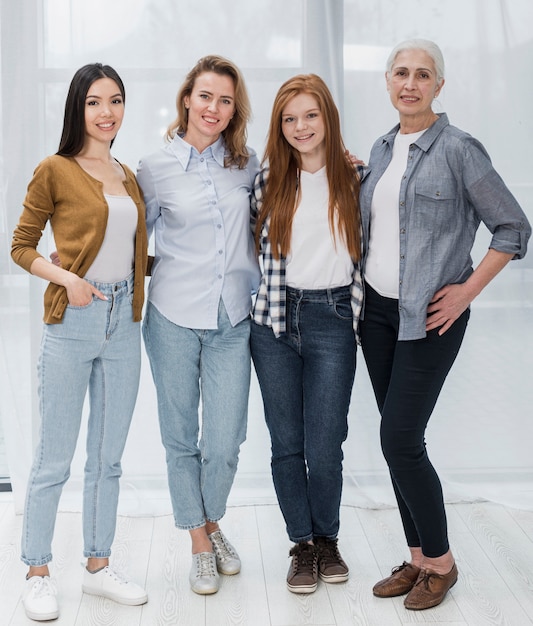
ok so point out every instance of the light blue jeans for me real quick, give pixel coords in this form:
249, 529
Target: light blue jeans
201, 455
96, 347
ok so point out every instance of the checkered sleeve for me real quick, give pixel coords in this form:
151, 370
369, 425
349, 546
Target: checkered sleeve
269, 306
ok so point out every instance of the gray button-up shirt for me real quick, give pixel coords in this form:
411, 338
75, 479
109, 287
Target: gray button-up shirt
448, 188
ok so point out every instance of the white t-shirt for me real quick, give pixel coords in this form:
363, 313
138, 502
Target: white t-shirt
316, 260
115, 259
382, 268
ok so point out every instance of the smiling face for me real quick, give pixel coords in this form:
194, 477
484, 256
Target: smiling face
104, 110
302, 125
412, 84
211, 106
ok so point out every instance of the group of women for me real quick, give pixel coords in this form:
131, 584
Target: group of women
338, 254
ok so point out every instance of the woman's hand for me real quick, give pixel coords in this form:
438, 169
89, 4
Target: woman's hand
448, 304
353, 158
54, 257
80, 292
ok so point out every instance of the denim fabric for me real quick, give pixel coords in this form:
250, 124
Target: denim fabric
189, 364
449, 187
306, 378
95, 347
407, 377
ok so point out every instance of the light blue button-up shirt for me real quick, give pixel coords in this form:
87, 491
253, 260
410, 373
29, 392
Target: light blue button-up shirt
449, 187
199, 213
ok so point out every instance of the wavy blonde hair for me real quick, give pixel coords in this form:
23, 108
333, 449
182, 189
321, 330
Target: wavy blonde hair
235, 135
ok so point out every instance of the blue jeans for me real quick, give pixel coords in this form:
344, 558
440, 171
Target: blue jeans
96, 347
188, 364
407, 377
306, 378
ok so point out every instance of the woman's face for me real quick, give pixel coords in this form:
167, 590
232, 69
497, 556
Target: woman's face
104, 110
412, 83
211, 106
302, 125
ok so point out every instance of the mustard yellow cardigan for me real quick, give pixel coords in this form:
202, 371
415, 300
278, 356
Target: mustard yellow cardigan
64, 194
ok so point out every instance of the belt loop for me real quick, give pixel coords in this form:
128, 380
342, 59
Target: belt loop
330, 296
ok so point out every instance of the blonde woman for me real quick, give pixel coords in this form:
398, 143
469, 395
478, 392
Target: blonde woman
197, 191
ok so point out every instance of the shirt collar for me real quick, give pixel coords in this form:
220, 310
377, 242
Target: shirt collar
426, 140
184, 151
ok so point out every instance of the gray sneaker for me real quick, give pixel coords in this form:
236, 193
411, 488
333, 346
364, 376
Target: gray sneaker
228, 561
204, 578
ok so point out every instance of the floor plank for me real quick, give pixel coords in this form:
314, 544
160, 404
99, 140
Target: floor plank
493, 546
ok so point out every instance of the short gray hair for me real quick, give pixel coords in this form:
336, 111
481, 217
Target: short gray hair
427, 46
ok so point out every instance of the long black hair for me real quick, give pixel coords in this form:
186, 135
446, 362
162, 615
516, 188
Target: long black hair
73, 135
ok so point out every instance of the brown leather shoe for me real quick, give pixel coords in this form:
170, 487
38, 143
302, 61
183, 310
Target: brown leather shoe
401, 580
430, 589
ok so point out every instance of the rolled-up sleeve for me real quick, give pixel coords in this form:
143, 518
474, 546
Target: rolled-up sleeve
494, 203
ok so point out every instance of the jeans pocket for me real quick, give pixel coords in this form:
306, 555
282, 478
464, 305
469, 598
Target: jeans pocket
343, 309
81, 308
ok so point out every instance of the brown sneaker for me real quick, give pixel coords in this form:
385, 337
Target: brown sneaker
401, 581
430, 589
331, 567
303, 572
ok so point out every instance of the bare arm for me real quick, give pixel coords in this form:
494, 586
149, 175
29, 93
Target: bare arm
79, 291
452, 300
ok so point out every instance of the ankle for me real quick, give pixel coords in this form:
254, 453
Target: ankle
41, 570
439, 565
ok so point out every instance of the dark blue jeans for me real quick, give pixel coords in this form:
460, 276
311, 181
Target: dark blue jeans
306, 378
407, 377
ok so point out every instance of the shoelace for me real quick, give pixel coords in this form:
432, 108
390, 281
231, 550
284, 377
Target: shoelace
329, 552
222, 549
204, 565
399, 568
425, 579
305, 556
43, 587
119, 578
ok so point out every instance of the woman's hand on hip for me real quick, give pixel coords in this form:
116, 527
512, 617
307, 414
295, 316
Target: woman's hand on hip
448, 304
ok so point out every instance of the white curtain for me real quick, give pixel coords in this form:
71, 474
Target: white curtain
480, 434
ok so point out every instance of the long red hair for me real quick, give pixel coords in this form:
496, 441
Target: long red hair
282, 194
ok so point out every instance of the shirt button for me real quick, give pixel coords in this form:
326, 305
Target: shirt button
402, 203
220, 275
208, 182
202, 160
219, 225
402, 231
220, 251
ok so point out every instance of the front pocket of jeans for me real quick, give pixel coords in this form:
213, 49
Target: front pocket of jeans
81, 308
343, 309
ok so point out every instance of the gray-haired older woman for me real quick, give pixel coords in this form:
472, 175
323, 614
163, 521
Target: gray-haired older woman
429, 187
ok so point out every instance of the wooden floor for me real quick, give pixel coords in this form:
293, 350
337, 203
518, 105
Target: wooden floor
493, 547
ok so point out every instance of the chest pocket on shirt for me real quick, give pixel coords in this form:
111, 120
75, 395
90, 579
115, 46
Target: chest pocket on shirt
434, 202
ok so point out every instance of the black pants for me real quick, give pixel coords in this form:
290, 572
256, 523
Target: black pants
407, 377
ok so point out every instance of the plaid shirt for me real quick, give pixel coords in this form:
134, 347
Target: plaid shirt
269, 307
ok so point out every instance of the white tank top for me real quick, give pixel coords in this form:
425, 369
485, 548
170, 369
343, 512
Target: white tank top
115, 259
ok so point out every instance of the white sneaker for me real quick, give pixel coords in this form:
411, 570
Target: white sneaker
204, 578
39, 599
228, 561
109, 584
